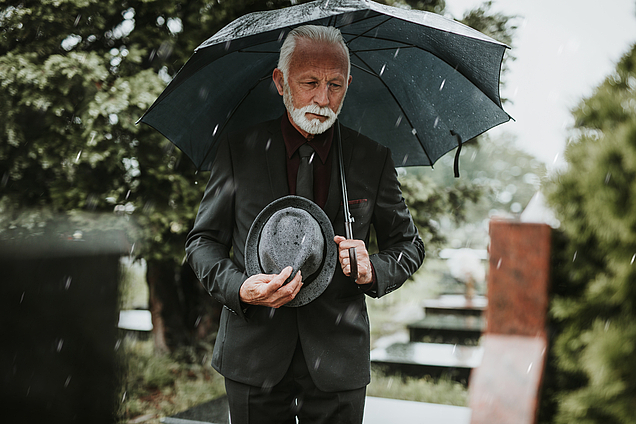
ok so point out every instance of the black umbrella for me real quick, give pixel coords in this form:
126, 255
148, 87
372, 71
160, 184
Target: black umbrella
421, 83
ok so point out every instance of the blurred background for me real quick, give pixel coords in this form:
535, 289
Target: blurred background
79, 179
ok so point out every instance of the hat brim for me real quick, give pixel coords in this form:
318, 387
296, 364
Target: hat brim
324, 275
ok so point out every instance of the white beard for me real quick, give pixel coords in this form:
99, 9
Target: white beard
311, 126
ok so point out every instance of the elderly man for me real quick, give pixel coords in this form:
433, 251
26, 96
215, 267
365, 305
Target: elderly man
312, 361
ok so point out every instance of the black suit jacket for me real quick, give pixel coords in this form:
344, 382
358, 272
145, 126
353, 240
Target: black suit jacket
255, 345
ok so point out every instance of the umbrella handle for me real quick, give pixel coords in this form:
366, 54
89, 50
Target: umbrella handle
354, 263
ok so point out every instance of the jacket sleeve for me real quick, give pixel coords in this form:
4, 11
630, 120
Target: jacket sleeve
209, 242
401, 250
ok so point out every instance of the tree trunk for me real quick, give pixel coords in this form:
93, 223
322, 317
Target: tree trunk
183, 314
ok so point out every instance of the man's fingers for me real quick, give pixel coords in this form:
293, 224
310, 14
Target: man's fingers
279, 279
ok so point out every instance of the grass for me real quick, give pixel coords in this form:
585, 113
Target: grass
442, 390
157, 385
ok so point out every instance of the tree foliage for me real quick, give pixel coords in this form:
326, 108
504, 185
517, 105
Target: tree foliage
595, 300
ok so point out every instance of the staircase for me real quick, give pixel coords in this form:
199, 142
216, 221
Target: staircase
444, 343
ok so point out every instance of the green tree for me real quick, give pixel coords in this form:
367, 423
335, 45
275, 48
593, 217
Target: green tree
595, 300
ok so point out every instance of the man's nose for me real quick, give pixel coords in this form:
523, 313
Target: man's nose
321, 96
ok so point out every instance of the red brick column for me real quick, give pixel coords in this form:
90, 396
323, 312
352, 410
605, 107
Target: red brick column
505, 387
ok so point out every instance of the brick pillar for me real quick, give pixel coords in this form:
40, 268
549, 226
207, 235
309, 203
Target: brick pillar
505, 387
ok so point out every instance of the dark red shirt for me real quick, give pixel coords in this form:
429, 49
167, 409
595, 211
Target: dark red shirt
321, 143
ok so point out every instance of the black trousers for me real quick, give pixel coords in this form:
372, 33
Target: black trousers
295, 395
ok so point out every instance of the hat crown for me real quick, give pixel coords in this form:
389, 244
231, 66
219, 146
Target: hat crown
291, 237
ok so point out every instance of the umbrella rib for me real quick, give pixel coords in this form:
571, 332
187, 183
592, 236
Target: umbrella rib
370, 29
231, 114
399, 105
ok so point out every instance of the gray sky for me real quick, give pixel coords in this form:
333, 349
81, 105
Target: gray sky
564, 49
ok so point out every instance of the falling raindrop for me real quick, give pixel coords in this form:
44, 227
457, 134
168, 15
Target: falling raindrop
442, 86
574, 257
203, 93
68, 380
127, 195
406, 157
123, 398
68, 283
132, 248
400, 256
631, 263
272, 311
555, 158
23, 293
117, 344
215, 129
317, 363
60, 343
499, 263
436, 122
198, 321
303, 240
608, 177
280, 36
227, 45
78, 156
396, 53
399, 120
382, 70
77, 19
269, 143
529, 368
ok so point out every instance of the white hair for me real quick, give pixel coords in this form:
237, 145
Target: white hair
320, 33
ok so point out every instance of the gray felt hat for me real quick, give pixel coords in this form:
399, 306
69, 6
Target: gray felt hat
293, 231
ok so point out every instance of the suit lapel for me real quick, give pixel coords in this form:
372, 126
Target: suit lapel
276, 163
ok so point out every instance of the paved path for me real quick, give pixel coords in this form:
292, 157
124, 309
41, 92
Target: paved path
376, 411
389, 411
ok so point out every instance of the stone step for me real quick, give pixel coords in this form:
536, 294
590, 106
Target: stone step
455, 304
416, 359
453, 329
376, 411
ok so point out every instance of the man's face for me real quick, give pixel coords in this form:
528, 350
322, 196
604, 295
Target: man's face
316, 85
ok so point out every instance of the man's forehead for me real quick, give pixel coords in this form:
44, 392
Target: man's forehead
308, 51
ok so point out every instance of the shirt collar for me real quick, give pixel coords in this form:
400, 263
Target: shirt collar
321, 143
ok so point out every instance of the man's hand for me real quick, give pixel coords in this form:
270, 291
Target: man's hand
365, 272
268, 289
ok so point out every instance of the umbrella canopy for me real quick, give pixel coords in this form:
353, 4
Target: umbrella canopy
421, 82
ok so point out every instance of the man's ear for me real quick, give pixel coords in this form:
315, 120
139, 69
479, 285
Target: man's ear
350, 79
278, 78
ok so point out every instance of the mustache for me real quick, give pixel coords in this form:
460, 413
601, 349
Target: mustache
317, 110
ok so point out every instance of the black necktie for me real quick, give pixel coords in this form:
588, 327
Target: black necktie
305, 177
